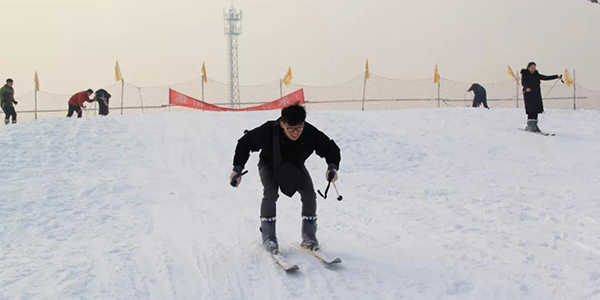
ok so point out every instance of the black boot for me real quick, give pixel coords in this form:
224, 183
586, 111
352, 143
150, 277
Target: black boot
309, 233
269, 236
532, 125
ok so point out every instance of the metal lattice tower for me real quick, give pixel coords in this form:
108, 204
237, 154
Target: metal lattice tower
233, 29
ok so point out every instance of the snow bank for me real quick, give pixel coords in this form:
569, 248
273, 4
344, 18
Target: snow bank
439, 204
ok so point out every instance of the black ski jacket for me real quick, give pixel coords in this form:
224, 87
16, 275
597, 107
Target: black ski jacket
294, 152
479, 92
533, 99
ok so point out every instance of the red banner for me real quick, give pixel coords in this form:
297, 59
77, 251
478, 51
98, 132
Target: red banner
179, 99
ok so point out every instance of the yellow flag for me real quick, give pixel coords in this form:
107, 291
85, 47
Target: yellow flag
367, 73
118, 76
36, 79
288, 77
511, 73
567, 78
204, 78
436, 75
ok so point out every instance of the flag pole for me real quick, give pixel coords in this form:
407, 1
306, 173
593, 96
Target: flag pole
122, 92
36, 110
364, 92
517, 92
574, 91
281, 88
203, 88
438, 94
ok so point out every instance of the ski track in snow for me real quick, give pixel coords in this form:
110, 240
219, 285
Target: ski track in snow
439, 204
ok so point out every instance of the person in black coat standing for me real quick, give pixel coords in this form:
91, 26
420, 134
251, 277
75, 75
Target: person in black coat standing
480, 95
532, 94
103, 98
285, 144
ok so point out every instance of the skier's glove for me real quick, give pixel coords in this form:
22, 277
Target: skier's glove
236, 176
332, 173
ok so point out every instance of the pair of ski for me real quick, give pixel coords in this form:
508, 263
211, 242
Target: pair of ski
291, 267
539, 132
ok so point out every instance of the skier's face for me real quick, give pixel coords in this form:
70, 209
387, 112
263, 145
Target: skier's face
293, 132
532, 68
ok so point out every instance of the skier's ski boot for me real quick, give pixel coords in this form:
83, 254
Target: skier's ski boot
269, 236
6, 121
532, 126
309, 231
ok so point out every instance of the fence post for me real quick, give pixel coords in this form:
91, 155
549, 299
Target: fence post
364, 93
36, 93
574, 91
203, 88
438, 94
141, 98
281, 88
122, 92
517, 92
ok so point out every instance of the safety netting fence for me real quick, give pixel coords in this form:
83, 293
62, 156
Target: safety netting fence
376, 93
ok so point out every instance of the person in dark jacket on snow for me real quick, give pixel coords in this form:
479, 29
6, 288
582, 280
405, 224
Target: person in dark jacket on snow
532, 94
102, 97
285, 144
7, 102
76, 102
480, 95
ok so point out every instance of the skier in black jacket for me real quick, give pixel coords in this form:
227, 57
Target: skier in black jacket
532, 94
103, 98
480, 95
285, 144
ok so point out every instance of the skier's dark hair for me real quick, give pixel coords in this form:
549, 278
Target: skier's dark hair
293, 115
9, 80
531, 64
90, 91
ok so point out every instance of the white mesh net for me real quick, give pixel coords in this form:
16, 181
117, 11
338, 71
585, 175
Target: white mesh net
380, 93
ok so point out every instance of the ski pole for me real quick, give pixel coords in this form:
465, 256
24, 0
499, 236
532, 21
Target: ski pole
235, 178
326, 190
339, 198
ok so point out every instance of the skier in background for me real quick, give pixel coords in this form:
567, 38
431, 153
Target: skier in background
7, 99
102, 97
285, 144
480, 95
532, 94
76, 102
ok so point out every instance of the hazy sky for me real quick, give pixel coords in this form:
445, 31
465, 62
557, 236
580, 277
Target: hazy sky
73, 43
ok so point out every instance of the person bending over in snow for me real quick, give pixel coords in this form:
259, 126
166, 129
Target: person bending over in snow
532, 94
480, 95
7, 102
76, 102
285, 144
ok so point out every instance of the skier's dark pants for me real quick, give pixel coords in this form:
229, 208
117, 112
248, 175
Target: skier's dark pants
477, 103
532, 116
72, 109
9, 112
268, 207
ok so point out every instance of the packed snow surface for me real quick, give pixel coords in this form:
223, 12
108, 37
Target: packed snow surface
438, 204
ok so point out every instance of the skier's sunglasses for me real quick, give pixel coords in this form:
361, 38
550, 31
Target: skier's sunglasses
294, 129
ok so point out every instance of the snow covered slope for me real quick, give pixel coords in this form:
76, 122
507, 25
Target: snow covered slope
439, 204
